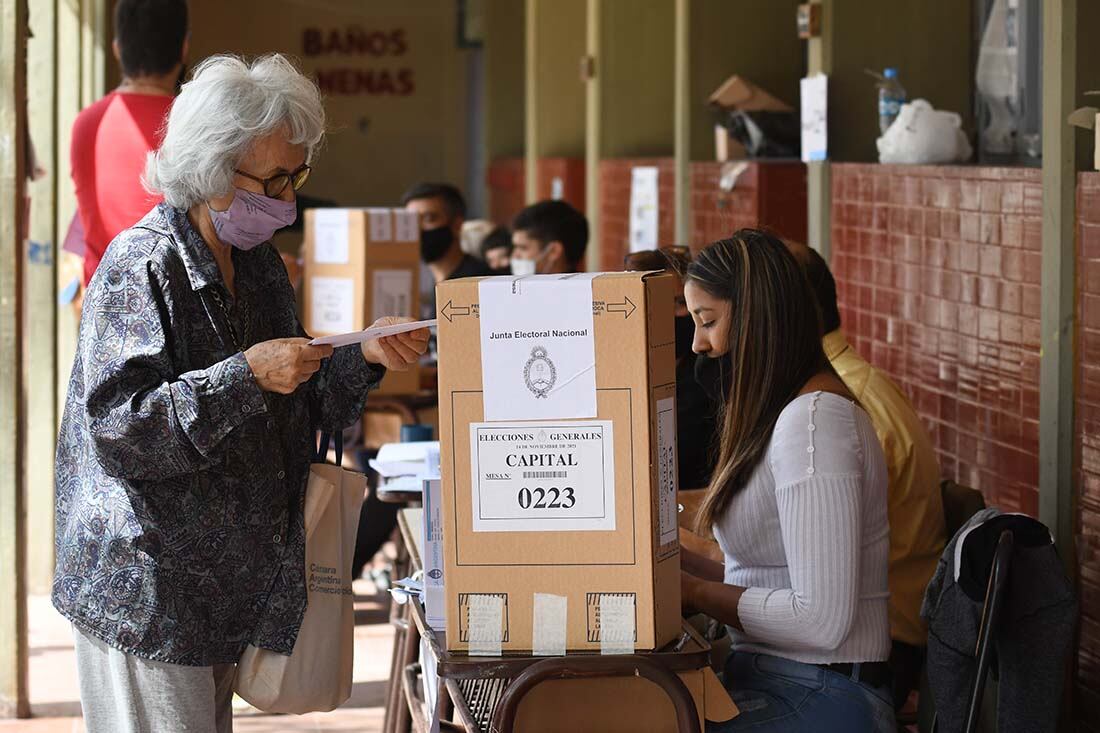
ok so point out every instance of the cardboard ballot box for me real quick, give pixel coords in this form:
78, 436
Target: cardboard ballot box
361, 265
558, 450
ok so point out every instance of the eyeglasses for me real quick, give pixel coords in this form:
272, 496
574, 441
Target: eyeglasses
276, 184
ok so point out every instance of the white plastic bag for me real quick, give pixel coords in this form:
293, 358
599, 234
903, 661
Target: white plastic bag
997, 77
923, 135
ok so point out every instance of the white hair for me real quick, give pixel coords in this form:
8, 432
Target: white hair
227, 106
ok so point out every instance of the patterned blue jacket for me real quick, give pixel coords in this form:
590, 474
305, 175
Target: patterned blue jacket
180, 484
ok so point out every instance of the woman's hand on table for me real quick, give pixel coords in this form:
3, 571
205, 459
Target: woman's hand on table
397, 352
281, 365
716, 598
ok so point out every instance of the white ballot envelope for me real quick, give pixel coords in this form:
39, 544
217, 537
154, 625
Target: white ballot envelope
369, 334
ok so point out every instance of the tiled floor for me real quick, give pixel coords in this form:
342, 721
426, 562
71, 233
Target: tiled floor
55, 699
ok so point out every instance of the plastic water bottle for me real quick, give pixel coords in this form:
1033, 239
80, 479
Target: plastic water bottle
891, 95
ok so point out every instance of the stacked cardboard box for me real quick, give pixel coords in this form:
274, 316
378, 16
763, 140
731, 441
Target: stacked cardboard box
361, 265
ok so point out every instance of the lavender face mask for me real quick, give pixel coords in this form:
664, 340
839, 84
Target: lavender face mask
252, 219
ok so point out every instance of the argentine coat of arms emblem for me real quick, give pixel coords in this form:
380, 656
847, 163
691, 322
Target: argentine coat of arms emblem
539, 373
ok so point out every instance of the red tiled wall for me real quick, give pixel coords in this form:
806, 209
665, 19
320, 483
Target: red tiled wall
937, 273
508, 188
571, 173
615, 177
1088, 443
507, 193
767, 194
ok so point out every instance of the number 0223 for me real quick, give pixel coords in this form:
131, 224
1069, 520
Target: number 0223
551, 498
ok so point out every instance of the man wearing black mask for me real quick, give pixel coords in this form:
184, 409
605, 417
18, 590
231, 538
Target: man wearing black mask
697, 386
442, 211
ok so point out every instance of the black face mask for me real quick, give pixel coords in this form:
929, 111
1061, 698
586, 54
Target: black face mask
434, 243
714, 375
685, 334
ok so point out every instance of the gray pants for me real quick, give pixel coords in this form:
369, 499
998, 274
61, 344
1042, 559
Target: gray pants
121, 693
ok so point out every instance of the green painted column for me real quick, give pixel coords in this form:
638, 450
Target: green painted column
631, 96
819, 193
40, 365
13, 608
505, 105
767, 51
555, 94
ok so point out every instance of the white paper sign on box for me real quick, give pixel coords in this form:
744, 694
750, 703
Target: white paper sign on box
538, 354
380, 222
543, 476
333, 304
391, 294
406, 226
330, 236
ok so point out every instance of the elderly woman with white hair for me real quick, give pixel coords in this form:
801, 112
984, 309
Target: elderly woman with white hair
191, 416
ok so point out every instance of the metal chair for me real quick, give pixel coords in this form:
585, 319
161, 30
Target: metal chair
991, 615
960, 503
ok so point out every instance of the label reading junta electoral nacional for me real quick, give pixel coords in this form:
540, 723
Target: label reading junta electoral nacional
538, 355
543, 476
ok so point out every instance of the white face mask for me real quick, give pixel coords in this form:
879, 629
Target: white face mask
523, 268
526, 268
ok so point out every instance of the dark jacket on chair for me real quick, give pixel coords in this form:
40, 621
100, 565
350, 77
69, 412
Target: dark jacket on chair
1035, 630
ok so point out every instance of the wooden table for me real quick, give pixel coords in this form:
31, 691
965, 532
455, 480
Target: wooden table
406, 636
484, 693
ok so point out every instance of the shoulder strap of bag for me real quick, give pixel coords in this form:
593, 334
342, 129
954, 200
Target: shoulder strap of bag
322, 449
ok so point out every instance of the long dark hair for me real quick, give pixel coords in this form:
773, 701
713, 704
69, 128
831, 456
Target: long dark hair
774, 346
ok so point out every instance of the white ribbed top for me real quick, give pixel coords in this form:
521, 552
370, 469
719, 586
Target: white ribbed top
808, 536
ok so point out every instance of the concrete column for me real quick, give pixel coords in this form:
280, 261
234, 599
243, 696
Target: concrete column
555, 98
40, 366
505, 64
1071, 66
819, 194
930, 42
13, 608
631, 97
682, 120
767, 51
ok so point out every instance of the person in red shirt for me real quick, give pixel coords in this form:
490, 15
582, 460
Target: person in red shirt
112, 138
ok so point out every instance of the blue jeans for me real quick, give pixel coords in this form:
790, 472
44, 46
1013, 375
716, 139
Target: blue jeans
775, 694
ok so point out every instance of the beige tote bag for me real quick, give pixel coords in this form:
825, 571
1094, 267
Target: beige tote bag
317, 675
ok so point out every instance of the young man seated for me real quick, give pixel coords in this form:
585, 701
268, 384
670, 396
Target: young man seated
548, 237
442, 211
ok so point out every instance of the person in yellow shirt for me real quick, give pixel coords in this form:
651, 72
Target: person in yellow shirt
915, 507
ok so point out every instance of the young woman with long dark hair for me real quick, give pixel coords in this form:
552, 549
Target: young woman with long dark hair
797, 503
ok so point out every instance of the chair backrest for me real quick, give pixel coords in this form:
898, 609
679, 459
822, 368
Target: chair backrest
992, 607
960, 503
991, 616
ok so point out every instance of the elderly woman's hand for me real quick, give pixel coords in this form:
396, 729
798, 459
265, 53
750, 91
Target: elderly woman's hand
396, 352
280, 365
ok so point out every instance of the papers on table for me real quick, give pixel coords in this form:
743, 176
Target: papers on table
359, 337
417, 460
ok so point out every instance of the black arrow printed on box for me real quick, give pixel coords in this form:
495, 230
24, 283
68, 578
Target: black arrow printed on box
627, 307
451, 311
